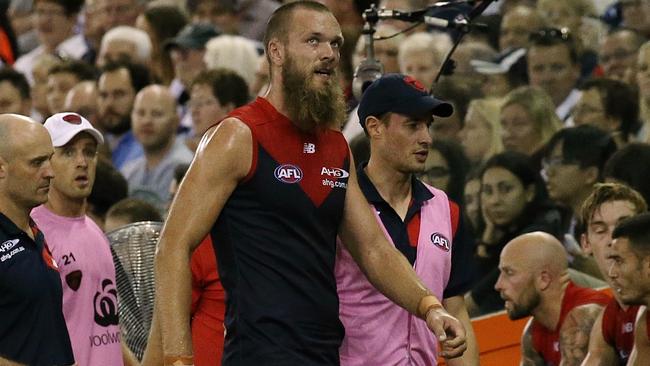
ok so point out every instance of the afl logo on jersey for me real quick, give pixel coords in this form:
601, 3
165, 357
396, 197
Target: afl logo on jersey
288, 173
440, 241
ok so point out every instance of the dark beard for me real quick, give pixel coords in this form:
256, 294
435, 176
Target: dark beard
311, 110
121, 127
523, 310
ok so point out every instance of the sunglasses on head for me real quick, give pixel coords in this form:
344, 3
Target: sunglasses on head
550, 34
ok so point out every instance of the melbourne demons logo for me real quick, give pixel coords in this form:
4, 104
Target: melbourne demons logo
288, 173
440, 241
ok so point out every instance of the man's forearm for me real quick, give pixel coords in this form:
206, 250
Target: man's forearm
173, 289
455, 305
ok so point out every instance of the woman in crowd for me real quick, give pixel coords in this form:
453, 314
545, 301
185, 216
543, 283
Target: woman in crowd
513, 202
446, 168
481, 134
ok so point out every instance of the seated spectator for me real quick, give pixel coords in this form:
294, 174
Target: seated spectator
161, 22
472, 200
618, 53
534, 281
421, 55
448, 128
612, 336
528, 121
503, 74
54, 21
643, 82
635, 16
627, 166
234, 53
610, 105
513, 202
517, 23
125, 43
573, 163
128, 211
110, 187
41, 69
61, 78
14, 93
155, 122
445, 168
481, 133
213, 95
553, 66
117, 86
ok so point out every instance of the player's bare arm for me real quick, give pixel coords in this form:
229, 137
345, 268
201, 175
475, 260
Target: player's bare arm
574, 334
600, 353
529, 357
455, 306
222, 160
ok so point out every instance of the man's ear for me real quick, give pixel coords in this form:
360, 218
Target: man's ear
276, 52
373, 126
543, 279
584, 243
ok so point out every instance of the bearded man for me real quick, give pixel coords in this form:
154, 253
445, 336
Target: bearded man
272, 185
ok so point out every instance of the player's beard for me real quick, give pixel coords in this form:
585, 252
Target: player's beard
530, 301
311, 109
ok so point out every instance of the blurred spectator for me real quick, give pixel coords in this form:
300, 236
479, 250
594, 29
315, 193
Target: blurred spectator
472, 200
576, 16
445, 168
506, 72
62, 77
517, 23
635, 16
82, 99
54, 21
246, 17
611, 105
261, 83
513, 202
234, 53
128, 211
110, 187
213, 95
573, 163
448, 128
92, 31
643, 82
187, 51
464, 74
481, 133
155, 122
117, 85
125, 43
14, 93
618, 54
421, 55
162, 23
553, 66
20, 15
528, 121
118, 12
628, 165
41, 69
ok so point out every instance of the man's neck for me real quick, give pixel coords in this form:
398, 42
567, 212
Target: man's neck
155, 156
16, 214
64, 206
393, 186
549, 310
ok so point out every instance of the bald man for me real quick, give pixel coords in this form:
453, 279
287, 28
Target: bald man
154, 123
32, 327
534, 281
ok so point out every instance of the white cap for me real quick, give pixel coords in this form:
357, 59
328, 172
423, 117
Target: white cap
501, 65
64, 126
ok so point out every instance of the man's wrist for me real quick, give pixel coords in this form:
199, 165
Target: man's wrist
179, 360
426, 304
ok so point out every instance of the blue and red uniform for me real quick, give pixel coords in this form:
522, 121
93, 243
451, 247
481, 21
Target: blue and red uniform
275, 242
546, 342
618, 328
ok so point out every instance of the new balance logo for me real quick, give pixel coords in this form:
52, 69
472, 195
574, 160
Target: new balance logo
308, 148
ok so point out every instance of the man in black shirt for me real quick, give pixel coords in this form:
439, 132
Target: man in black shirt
32, 327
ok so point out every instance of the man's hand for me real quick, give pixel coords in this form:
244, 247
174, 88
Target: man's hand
448, 330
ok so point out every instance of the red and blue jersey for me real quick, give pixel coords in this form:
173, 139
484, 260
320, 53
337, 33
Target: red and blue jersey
275, 242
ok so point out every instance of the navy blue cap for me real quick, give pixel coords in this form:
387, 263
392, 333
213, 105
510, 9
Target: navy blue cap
403, 95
